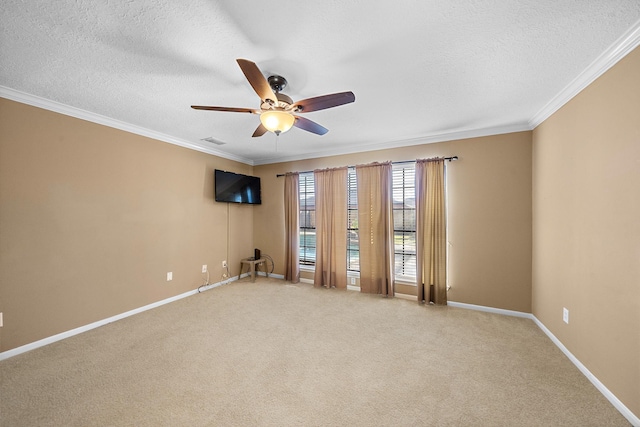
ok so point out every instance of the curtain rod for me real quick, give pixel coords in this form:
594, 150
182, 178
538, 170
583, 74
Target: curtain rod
451, 159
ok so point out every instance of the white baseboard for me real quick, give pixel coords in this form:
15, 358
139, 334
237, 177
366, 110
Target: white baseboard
275, 276
310, 282
58, 337
490, 309
406, 296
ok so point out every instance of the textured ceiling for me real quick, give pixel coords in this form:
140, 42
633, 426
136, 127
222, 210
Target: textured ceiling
421, 71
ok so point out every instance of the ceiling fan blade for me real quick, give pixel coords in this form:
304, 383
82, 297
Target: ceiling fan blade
260, 130
309, 126
231, 109
323, 102
257, 80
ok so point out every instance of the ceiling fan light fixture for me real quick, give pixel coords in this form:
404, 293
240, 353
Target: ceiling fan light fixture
277, 121
277, 110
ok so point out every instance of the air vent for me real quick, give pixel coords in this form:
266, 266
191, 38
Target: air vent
213, 141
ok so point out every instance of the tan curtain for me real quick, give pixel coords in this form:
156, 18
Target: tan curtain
331, 228
375, 228
431, 232
292, 227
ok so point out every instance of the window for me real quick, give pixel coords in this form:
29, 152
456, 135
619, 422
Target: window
307, 219
404, 221
353, 248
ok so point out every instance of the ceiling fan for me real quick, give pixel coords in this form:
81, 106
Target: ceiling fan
277, 110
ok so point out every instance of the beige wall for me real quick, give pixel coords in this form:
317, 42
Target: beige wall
489, 191
586, 227
92, 218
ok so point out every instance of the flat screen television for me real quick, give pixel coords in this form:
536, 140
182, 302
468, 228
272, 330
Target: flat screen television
237, 188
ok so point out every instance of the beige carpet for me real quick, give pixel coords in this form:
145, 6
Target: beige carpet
275, 354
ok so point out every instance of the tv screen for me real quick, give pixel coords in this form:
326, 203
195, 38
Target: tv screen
237, 188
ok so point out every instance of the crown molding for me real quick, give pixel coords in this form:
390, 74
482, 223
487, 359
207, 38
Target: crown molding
618, 50
57, 107
420, 140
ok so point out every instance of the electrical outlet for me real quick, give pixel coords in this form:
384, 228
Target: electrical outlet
1, 320
224, 264
565, 315
204, 268
353, 280
169, 276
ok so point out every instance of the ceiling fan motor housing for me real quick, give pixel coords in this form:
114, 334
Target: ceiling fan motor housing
277, 83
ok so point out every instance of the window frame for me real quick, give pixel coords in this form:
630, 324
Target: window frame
404, 200
307, 227
353, 234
